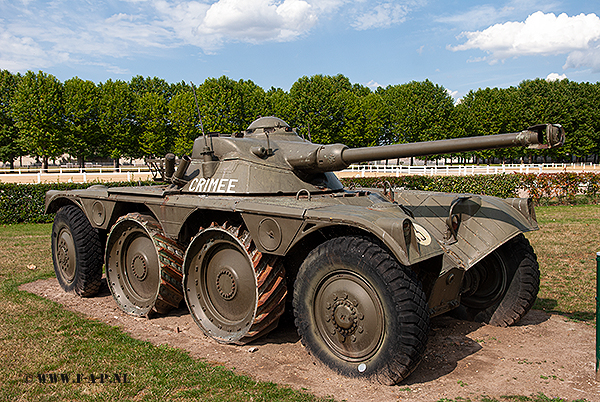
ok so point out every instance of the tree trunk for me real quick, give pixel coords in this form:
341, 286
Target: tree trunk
44, 164
81, 162
116, 160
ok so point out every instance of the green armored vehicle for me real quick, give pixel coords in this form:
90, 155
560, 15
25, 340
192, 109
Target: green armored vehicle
255, 223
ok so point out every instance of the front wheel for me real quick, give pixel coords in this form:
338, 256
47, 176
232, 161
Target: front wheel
502, 288
359, 311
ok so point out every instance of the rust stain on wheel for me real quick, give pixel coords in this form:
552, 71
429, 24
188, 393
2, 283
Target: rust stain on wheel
234, 292
143, 266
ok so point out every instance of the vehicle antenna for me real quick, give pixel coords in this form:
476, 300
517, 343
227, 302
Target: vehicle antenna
199, 115
208, 152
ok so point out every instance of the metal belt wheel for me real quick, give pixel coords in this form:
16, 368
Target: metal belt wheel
359, 311
143, 266
234, 292
503, 287
76, 252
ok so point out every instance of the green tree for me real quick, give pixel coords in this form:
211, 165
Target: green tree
185, 122
279, 104
489, 111
81, 104
229, 106
9, 146
319, 103
156, 137
419, 111
39, 115
555, 102
116, 121
140, 86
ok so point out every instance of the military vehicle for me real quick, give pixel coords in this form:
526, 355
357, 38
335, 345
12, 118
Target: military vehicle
256, 223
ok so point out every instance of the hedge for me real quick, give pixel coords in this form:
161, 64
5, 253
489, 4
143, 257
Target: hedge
25, 202
553, 188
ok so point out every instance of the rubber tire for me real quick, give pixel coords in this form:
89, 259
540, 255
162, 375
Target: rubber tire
405, 315
87, 248
524, 275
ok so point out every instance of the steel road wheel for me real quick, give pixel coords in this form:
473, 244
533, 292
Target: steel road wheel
76, 252
65, 255
352, 322
143, 266
359, 311
234, 293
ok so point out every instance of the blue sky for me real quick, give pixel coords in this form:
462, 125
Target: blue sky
461, 45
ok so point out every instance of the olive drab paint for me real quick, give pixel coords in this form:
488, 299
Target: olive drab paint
231, 226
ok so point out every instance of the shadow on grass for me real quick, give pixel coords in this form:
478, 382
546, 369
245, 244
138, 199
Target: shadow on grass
549, 306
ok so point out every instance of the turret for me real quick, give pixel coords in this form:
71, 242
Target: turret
270, 158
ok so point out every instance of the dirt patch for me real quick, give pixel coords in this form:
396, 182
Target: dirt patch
544, 353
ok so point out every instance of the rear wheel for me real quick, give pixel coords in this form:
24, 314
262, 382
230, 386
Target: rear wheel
143, 266
359, 311
502, 288
76, 252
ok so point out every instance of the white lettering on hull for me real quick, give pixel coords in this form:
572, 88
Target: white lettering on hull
213, 185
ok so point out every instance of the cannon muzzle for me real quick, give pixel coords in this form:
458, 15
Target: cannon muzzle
334, 157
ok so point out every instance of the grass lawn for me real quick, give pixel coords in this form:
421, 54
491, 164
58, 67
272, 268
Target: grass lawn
38, 336
566, 247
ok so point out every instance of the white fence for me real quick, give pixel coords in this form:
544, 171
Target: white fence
463, 170
134, 173
74, 175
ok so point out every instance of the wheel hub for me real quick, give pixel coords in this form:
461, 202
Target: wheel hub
485, 283
63, 255
345, 317
226, 284
139, 268
349, 315
222, 284
66, 255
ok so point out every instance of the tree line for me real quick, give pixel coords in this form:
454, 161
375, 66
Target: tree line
148, 117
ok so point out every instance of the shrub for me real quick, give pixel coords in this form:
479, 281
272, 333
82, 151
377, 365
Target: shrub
25, 202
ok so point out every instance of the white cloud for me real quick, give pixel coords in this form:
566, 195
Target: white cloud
488, 14
587, 58
556, 77
453, 94
36, 34
373, 84
477, 16
19, 53
209, 26
382, 16
540, 34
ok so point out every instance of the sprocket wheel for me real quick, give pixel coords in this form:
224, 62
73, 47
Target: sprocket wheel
143, 266
234, 292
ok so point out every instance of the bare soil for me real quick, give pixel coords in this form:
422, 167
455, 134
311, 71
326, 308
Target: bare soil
543, 353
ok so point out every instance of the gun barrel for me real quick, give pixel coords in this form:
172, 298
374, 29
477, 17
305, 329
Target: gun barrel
327, 158
533, 137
